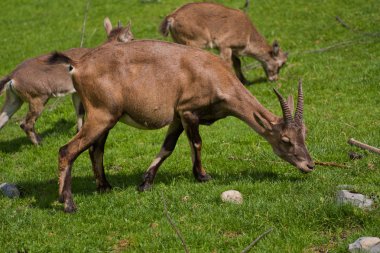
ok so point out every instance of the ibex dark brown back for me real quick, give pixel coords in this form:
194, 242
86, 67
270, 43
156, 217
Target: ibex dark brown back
210, 25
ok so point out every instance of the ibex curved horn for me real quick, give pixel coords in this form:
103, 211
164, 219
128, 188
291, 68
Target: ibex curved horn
298, 117
285, 109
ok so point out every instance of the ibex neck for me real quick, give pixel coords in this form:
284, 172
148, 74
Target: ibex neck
253, 113
259, 47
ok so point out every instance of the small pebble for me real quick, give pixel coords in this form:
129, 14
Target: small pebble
232, 196
9, 190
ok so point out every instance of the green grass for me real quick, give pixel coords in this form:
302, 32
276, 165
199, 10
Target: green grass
342, 98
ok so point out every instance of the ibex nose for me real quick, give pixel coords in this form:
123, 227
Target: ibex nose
311, 166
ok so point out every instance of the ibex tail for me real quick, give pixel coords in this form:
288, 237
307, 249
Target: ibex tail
165, 26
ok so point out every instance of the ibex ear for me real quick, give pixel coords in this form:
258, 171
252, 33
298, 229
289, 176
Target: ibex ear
290, 102
262, 122
129, 25
275, 48
107, 25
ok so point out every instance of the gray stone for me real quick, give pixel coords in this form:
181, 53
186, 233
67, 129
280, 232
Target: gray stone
9, 190
356, 199
232, 196
365, 244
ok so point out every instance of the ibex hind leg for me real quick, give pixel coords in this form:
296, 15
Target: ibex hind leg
11, 105
36, 106
94, 129
97, 155
174, 131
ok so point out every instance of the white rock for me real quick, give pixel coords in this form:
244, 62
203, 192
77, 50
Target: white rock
10, 190
355, 199
232, 196
365, 244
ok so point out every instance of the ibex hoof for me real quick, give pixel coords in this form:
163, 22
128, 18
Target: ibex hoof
70, 208
145, 186
37, 140
203, 178
104, 188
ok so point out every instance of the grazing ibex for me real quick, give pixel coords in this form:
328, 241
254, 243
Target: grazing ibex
151, 84
35, 82
211, 25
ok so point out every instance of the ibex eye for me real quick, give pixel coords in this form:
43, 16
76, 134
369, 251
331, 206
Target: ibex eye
285, 139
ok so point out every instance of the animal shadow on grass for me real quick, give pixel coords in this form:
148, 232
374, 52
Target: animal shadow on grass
14, 145
45, 193
255, 175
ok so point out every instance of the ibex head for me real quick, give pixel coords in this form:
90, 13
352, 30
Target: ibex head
120, 33
274, 62
288, 136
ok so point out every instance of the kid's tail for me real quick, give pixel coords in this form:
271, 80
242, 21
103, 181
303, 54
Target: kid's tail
165, 25
57, 58
3, 81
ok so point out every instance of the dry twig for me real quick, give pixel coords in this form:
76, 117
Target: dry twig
345, 25
84, 22
364, 146
173, 224
248, 248
331, 164
246, 5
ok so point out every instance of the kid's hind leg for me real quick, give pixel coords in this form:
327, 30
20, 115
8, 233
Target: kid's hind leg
36, 105
11, 105
94, 129
174, 131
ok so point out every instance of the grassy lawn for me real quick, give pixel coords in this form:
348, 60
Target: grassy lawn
342, 100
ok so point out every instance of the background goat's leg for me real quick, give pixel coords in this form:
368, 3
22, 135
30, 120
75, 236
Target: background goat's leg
79, 110
237, 67
11, 105
36, 105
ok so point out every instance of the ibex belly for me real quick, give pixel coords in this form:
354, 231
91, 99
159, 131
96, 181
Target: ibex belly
144, 123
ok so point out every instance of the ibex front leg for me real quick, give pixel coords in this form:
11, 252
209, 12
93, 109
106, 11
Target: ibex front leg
174, 131
97, 155
190, 122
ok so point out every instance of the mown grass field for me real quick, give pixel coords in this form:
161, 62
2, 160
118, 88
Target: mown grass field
342, 100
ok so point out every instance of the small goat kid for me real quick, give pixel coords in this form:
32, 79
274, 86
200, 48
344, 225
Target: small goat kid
34, 82
210, 25
151, 84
